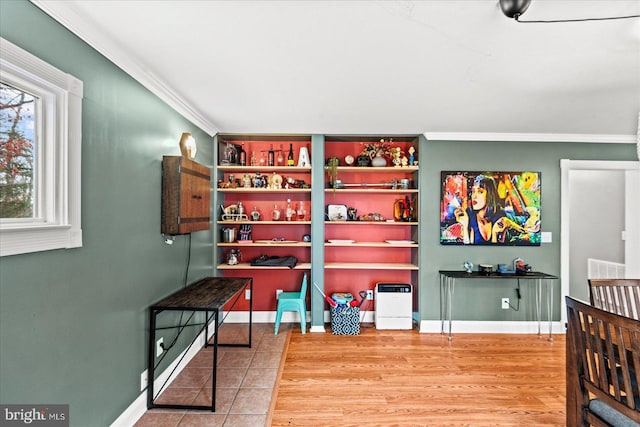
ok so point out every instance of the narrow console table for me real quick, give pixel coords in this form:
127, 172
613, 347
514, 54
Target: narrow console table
448, 281
208, 295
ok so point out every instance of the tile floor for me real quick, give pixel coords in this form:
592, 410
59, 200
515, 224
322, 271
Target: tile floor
246, 379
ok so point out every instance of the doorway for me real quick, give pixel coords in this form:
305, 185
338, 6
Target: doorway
599, 219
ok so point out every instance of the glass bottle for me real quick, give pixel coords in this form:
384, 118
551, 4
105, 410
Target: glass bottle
263, 161
275, 213
255, 214
280, 156
271, 156
290, 212
243, 156
254, 161
301, 213
290, 156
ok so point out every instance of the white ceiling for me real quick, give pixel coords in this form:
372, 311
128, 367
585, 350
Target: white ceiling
449, 69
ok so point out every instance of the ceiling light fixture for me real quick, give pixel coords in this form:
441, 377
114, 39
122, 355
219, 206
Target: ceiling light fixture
188, 146
515, 8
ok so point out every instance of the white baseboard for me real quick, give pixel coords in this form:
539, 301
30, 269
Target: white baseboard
491, 327
139, 406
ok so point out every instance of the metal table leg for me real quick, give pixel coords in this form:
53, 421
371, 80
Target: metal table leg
450, 288
549, 284
539, 303
442, 302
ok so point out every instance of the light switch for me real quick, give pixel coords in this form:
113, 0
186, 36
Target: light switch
546, 237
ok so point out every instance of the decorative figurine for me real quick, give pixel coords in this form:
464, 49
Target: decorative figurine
396, 152
468, 267
411, 156
258, 180
275, 181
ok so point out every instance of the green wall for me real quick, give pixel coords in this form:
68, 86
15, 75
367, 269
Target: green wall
73, 323
480, 299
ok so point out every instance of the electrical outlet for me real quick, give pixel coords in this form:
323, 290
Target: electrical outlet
159, 348
247, 294
370, 295
144, 380
278, 292
505, 303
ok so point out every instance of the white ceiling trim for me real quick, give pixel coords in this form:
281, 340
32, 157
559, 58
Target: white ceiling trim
67, 16
530, 137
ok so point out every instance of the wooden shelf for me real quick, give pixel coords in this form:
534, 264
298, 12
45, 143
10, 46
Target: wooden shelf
263, 190
285, 222
373, 245
271, 245
369, 266
369, 223
369, 169
292, 169
371, 189
248, 266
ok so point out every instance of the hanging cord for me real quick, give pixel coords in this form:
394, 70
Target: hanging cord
517, 18
517, 307
168, 347
186, 271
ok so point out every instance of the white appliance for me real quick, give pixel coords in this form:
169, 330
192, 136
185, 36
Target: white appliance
394, 306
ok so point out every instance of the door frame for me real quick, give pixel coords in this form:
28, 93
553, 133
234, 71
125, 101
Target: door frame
632, 204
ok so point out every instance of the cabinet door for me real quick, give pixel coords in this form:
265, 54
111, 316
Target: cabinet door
195, 193
186, 196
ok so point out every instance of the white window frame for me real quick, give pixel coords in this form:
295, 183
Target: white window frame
57, 220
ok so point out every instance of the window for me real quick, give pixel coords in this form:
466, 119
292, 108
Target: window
40, 146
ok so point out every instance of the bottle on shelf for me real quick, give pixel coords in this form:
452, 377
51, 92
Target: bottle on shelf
280, 156
254, 160
242, 156
240, 208
263, 160
271, 156
301, 212
290, 161
275, 213
290, 212
255, 214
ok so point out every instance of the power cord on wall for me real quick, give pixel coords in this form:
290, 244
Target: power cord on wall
517, 307
167, 347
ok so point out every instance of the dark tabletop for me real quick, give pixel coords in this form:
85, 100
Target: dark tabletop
206, 294
458, 274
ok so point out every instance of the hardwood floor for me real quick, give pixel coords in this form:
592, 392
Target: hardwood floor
404, 378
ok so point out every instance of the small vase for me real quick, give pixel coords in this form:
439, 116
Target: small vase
378, 161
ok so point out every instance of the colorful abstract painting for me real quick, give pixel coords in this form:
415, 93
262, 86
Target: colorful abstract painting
490, 208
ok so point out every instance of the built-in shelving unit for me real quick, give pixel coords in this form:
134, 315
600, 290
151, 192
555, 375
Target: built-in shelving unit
260, 187
343, 256
359, 252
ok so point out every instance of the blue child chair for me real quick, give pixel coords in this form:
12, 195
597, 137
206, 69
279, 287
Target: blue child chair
293, 301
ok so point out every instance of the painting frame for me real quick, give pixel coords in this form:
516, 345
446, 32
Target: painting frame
485, 208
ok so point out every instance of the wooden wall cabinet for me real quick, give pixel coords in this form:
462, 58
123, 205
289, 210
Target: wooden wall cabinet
186, 198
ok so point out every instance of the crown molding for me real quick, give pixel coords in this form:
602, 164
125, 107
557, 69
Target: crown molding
67, 15
531, 137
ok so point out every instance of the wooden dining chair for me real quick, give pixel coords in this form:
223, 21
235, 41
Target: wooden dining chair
603, 367
620, 296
